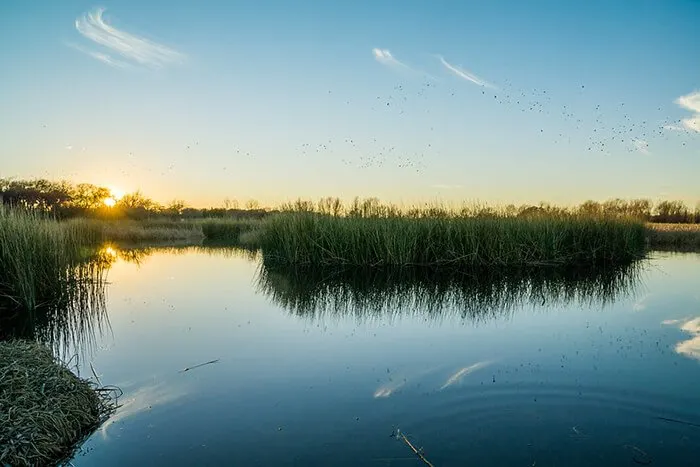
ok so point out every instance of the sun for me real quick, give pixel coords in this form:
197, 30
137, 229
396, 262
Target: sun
115, 195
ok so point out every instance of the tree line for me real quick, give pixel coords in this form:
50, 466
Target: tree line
65, 200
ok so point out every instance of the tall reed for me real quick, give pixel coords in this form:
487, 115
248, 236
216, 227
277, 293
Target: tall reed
571, 240
37, 257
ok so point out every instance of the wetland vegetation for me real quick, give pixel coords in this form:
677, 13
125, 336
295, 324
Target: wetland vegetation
328, 259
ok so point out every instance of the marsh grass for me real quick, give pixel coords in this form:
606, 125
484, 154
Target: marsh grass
136, 231
228, 230
45, 410
432, 293
38, 257
674, 236
460, 242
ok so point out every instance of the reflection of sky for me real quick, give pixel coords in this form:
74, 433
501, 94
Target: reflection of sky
142, 400
286, 388
462, 372
691, 347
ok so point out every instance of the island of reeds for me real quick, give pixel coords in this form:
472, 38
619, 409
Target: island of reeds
45, 409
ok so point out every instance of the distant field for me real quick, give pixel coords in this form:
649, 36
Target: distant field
678, 236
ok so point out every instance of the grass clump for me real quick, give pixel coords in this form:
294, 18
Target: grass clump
227, 230
37, 256
463, 242
45, 410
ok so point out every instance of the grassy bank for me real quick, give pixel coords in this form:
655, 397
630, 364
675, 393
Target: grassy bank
132, 231
311, 239
45, 410
674, 236
38, 256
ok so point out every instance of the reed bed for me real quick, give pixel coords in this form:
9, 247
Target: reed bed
135, 231
45, 410
674, 236
462, 242
37, 257
228, 230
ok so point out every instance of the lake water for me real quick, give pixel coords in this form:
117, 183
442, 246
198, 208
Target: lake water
322, 370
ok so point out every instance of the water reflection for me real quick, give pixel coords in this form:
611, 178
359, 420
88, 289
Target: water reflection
75, 320
137, 254
142, 400
690, 347
475, 296
462, 372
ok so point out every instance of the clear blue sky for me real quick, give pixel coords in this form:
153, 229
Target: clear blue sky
498, 101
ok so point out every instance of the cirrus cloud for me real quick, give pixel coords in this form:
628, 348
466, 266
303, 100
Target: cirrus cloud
464, 74
691, 102
385, 57
135, 49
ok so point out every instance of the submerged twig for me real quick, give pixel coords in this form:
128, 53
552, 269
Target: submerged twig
417, 452
675, 420
197, 366
639, 456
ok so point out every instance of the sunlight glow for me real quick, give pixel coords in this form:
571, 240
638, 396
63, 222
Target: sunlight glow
116, 193
110, 202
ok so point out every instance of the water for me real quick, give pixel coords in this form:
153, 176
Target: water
577, 373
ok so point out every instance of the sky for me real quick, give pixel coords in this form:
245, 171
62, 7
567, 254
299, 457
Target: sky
489, 101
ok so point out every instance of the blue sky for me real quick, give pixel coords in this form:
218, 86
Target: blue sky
498, 101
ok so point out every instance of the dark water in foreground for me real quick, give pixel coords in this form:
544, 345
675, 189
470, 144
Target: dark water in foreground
583, 373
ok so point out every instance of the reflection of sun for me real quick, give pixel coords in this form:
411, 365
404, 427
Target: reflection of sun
108, 250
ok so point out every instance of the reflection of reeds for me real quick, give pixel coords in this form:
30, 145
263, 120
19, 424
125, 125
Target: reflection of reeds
73, 319
475, 295
138, 254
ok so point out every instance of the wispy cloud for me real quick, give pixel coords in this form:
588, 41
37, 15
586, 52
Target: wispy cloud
691, 102
104, 58
136, 49
641, 146
464, 74
385, 57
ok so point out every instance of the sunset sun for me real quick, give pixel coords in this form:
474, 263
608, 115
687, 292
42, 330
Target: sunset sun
115, 195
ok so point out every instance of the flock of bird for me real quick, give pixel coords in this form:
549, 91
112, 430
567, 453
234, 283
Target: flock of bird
606, 129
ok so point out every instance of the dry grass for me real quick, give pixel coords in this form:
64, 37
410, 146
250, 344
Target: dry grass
674, 236
141, 231
45, 410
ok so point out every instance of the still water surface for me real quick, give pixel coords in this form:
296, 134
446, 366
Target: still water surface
314, 371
